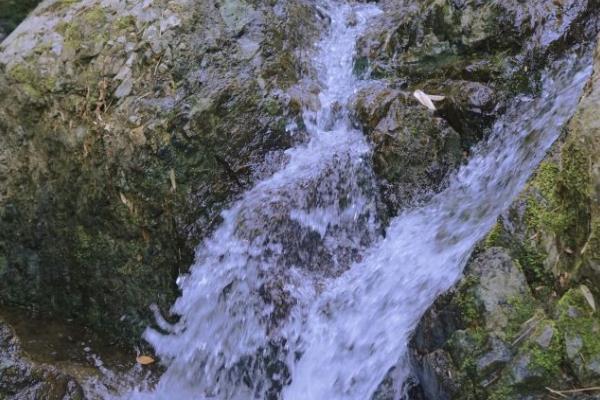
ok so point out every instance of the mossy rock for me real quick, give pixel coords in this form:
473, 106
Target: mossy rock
107, 192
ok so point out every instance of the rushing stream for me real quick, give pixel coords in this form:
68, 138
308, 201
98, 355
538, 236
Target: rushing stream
298, 291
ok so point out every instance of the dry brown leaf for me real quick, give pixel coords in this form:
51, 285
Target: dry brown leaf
568, 250
144, 360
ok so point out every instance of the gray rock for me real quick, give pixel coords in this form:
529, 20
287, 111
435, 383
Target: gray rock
522, 372
495, 358
544, 338
500, 283
573, 345
125, 88
438, 379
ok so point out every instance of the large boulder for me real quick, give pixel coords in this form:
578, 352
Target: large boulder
413, 150
125, 128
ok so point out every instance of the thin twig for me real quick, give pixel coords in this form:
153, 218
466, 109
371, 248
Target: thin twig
556, 392
563, 392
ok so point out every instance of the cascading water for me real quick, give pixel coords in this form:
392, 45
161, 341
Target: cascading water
360, 327
296, 294
264, 264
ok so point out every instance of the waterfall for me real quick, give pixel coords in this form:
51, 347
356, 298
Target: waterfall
298, 294
277, 245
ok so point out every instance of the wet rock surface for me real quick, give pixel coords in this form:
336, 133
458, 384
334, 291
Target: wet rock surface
475, 54
22, 379
126, 127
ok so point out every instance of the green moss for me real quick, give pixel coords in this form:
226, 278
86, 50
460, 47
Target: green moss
577, 318
563, 204
573, 192
544, 213
467, 302
123, 23
22, 73
521, 310
501, 391
547, 360
33, 84
31, 91
60, 5
496, 237
272, 106
86, 33
531, 261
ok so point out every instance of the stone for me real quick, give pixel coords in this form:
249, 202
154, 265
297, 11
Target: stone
413, 150
439, 379
21, 378
124, 88
500, 283
495, 358
573, 345
545, 337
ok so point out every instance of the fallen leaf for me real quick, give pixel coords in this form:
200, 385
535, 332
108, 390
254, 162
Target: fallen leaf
426, 99
568, 250
144, 360
434, 97
588, 296
123, 199
172, 178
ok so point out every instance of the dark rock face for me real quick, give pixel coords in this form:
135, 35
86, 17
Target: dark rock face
525, 316
124, 131
413, 150
20, 379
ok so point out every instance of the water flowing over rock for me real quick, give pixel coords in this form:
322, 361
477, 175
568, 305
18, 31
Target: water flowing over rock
257, 186
548, 334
